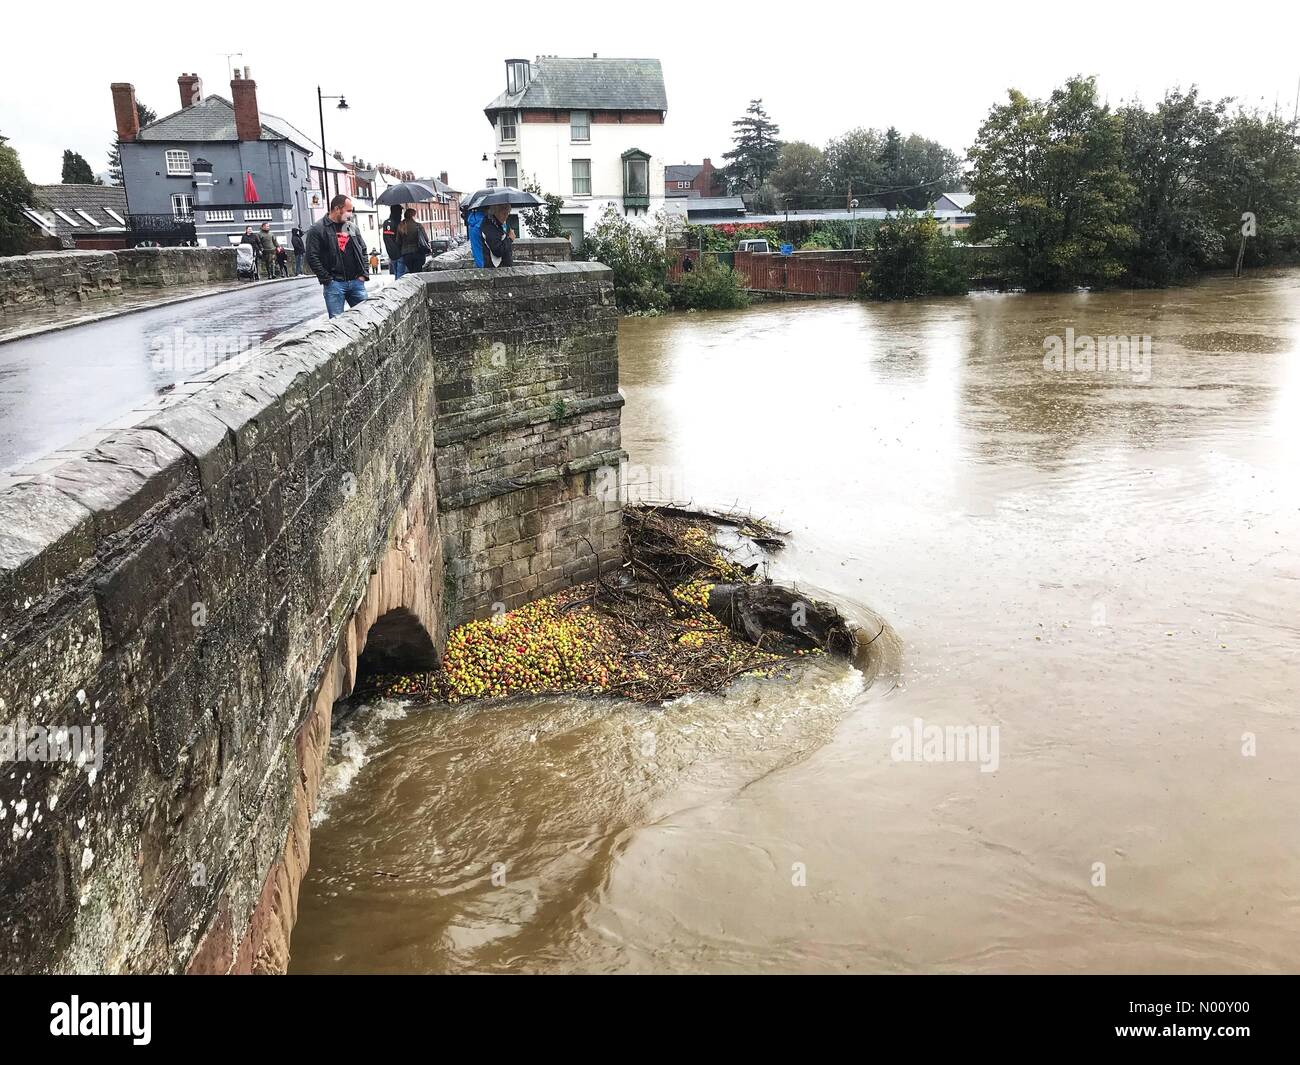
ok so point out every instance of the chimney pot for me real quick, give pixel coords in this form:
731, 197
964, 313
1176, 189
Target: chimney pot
124, 110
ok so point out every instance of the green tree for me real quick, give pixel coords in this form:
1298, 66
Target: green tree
800, 175
15, 193
1049, 183
145, 115
76, 171
544, 221
757, 149
853, 166
1255, 169
1168, 157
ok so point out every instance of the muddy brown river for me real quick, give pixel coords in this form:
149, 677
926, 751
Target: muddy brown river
1092, 577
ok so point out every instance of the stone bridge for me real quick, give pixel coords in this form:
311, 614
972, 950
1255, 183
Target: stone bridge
181, 608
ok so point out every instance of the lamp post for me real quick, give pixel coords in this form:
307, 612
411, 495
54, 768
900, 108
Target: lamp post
853, 225
325, 157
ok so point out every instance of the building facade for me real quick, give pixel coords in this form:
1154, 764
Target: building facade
693, 179
219, 164
590, 130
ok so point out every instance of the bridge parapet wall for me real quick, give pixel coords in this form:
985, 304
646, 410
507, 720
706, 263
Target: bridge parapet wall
192, 597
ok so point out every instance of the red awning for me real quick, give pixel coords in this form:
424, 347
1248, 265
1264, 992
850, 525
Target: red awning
250, 190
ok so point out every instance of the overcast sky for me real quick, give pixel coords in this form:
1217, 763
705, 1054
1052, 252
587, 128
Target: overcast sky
820, 68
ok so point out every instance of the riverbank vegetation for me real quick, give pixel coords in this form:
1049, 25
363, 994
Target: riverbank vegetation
1068, 192
912, 256
681, 615
1081, 194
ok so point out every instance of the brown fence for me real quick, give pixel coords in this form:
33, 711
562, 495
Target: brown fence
829, 272
803, 273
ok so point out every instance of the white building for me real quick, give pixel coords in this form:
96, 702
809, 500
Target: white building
590, 130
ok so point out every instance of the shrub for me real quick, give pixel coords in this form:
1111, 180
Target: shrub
913, 257
710, 286
635, 254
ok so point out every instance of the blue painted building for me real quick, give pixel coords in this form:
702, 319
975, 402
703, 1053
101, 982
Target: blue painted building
195, 164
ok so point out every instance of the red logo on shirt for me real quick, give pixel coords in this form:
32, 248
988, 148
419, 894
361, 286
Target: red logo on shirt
343, 241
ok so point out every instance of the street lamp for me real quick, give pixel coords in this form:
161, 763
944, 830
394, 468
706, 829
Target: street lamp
853, 225
325, 158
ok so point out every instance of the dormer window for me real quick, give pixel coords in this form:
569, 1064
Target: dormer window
517, 75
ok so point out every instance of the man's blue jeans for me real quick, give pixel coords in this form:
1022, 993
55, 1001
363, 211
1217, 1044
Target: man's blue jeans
399, 268
338, 291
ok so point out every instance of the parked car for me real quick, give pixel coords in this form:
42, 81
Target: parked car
753, 245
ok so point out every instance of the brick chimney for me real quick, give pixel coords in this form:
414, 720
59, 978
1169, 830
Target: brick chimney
191, 86
128, 119
243, 92
443, 178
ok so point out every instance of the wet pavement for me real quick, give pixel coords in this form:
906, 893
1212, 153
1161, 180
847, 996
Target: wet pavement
58, 386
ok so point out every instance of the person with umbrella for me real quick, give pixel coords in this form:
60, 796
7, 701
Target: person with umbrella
490, 240
391, 244
413, 243
395, 196
498, 240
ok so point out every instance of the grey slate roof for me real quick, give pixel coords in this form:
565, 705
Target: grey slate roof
715, 203
682, 171
589, 85
95, 200
213, 119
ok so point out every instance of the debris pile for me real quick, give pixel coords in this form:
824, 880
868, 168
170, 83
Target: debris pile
681, 615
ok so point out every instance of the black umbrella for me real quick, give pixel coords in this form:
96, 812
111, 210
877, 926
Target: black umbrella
407, 192
504, 194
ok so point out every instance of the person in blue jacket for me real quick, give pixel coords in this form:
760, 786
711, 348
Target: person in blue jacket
474, 230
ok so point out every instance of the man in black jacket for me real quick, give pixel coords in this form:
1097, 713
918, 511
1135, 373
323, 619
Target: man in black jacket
392, 245
299, 250
498, 241
336, 254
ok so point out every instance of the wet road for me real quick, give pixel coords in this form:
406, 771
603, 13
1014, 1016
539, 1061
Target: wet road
58, 386
1103, 567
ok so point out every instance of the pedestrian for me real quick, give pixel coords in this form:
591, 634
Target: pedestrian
498, 241
299, 249
336, 254
374, 262
267, 244
414, 242
687, 265
281, 261
391, 244
250, 238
